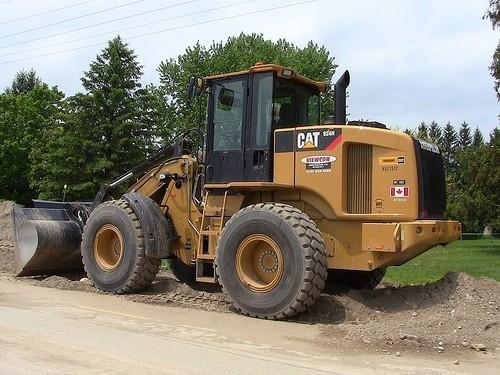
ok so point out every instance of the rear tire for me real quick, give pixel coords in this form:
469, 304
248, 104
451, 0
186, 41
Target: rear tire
113, 250
271, 261
356, 279
182, 271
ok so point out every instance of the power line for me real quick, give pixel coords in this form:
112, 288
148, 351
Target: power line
98, 24
72, 19
44, 13
128, 28
166, 30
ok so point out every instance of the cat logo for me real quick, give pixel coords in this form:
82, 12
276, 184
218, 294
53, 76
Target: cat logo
308, 140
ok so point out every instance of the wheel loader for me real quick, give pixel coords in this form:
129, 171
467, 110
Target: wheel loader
274, 204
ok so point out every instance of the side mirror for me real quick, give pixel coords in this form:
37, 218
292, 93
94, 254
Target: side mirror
225, 99
195, 86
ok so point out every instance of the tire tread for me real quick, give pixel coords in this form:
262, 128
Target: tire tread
145, 267
313, 247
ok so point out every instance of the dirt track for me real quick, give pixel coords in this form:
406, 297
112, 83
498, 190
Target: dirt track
70, 332
442, 318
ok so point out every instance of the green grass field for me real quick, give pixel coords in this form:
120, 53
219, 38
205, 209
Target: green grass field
475, 257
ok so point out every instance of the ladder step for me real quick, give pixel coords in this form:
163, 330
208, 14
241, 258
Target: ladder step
206, 279
209, 232
212, 211
206, 256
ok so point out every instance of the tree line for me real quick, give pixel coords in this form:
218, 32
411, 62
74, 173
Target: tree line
472, 166
53, 145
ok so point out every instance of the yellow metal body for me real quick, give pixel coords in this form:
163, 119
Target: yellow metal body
347, 196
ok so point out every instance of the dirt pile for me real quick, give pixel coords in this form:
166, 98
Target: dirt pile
7, 261
457, 311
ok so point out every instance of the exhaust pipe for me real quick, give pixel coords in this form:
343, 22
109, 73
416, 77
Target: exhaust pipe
46, 240
339, 109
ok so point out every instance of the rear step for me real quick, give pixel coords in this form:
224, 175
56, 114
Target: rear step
47, 240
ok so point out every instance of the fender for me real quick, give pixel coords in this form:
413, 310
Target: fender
158, 234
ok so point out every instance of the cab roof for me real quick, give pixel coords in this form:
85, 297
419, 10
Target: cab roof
281, 72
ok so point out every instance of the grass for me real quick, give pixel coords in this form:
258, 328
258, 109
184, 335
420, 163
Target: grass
475, 257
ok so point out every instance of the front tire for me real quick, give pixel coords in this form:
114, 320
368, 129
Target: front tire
113, 250
271, 261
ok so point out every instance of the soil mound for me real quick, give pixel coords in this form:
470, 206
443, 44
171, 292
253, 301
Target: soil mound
456, 311
7, 259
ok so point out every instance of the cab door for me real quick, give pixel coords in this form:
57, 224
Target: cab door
259, 142
227, 118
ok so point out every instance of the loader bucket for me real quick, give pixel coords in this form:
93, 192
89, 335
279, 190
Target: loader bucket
46, 240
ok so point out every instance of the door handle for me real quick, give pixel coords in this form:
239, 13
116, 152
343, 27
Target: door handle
258, 158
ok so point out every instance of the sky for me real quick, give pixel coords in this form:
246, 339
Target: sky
409, 60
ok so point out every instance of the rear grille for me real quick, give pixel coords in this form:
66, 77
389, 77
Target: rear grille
431, 181
359, 179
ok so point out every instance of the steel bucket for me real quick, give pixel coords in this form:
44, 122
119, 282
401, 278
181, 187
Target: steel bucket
47, 238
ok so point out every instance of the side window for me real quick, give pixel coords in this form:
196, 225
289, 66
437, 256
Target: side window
313, 110
262, 110
228, 115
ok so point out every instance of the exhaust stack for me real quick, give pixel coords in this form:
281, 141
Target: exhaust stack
339, 109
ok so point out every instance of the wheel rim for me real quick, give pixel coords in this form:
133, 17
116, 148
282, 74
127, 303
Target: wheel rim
259, 263
108, 247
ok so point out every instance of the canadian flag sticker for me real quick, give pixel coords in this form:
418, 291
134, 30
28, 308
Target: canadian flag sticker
399, 192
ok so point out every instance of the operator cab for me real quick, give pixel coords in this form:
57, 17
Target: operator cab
245, 109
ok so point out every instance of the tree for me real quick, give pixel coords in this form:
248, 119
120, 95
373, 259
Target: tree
410, 132
448, 144
423, 131
474, 201
23, 119
105, 131
434, 132
23, 83
464, 137
477, 138
493, 14
235, 54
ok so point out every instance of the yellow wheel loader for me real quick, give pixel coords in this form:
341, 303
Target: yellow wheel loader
272, 203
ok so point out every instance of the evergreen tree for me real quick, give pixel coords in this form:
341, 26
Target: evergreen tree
423, 131
23, 83
477, 138
410, 132
105, 131
472, 199
434, 132
449, 143
464, 136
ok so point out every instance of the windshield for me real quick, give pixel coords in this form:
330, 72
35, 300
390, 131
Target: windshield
294, 105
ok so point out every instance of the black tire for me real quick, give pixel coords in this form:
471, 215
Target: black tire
182, 271
304, 260
136, 271
356, 279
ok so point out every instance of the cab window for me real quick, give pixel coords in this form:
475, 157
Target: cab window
294, 104
228, 112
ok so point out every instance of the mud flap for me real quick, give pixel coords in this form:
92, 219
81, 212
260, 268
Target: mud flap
46, 240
